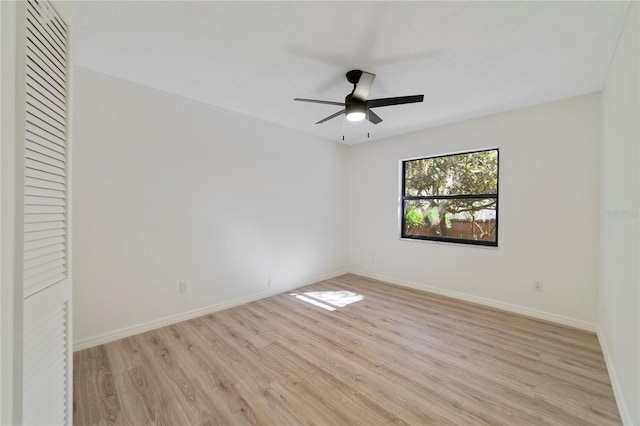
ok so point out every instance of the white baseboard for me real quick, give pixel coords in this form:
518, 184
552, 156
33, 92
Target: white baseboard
522, 310
110, 336
625, 415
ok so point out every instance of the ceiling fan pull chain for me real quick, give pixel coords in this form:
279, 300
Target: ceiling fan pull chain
343, 128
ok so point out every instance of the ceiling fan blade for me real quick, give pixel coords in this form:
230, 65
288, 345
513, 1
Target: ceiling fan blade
330, 117
361, 91
374, 103
373, 117
316, 101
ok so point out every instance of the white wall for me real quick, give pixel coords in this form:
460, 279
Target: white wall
548, 213
167, 189
619, 289
7, 159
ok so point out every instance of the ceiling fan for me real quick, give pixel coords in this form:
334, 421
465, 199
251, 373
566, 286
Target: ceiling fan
356, 105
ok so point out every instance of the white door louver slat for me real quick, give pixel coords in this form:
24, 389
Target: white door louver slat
46, 350
45, 147
46, 375
41, 122
43, 259
45, 233
31, 218
45, 64
32, 227
45, 242
51, 342
36, 85
46, 58
38, 174
44, 201
43, 150
44, 105
39, 235
46, 41
38, 341
41, 133
41, 183
37, 156
44, 167
52, 24
59, 28
44, 369
37, 48
35, 96
36, 30
46, 113
38, 323
40, 393
41, 218
55, 402
48, 73
41, 72
47, 394
43, 281
32, 16
36, 219
31, 190
36, 165
43, 210
43, 251
41, 264
39, 345
44, 77
42, 273
44, 268
42, 141
49, 276
37, 190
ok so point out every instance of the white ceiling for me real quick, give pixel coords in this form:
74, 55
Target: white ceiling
469, 59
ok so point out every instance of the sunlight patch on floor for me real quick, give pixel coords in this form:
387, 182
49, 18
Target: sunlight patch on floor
328, 299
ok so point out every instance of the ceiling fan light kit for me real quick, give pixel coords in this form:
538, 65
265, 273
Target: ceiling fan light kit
357, 105
355, 109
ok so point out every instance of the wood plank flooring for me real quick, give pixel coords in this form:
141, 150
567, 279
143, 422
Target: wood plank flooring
391, 356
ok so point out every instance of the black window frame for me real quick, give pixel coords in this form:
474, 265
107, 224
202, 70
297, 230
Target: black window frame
404, 198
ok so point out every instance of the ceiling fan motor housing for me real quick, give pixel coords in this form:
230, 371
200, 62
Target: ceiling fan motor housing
355, 107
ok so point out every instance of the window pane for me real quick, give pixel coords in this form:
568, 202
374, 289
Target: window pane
469, 173
472, 219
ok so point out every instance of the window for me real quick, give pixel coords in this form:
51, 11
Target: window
451, 198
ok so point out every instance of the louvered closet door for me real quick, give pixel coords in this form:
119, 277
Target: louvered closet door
46, 350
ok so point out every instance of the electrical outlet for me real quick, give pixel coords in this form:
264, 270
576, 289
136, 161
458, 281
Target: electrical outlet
182, 287
537, 285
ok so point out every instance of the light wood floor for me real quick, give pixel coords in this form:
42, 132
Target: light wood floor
396, 356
